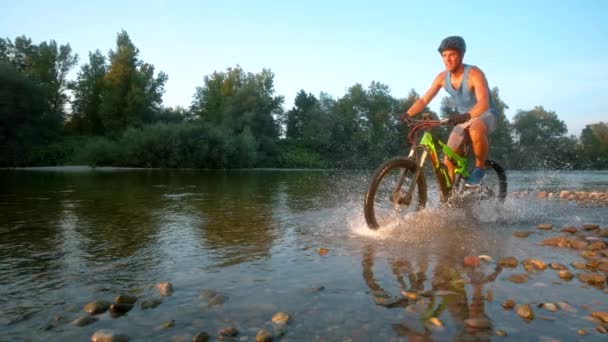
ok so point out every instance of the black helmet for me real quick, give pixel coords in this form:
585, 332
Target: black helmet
453, 43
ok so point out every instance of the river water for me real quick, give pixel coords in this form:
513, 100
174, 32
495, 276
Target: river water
272, 241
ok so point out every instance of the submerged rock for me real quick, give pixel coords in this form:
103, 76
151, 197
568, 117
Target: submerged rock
557, 266
569, 229
518, 278
96, 307
566, 307
565, 274
150, 303
548, 306
84, 320
521, 234
601, 315
509, 261
164, 288
227, 332
508, 304
524, 311
201, 337
534, 265
591, 226
592, 278
105, 335
263, 336
125, 299
557, 241
545, 226
280, 318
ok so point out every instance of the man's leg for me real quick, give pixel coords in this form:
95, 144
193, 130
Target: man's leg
479, 140
455, 143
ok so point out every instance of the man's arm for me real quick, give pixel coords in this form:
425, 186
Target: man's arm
422, 102
478, 81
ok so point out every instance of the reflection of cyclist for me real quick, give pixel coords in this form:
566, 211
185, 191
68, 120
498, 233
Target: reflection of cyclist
469, 89
447, 293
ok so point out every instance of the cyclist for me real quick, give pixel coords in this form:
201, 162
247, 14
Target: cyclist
469, 89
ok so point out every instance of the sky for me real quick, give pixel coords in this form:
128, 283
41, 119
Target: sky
549, 53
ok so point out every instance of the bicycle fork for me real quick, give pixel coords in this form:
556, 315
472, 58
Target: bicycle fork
407, 199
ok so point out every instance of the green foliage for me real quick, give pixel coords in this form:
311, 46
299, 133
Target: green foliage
294, 155
87, 90
594, 146
130, 95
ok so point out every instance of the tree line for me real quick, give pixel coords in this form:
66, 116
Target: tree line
112, 114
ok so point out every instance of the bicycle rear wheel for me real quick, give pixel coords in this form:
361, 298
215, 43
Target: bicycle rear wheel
495, 181
388, 196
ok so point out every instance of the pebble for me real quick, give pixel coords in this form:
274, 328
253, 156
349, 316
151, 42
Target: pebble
521, 234
545, 226
105, 335
601, 315
120, 308
125, 299
501, 333
557, 241
164, 288
579, 265
227, 332
508, 262
518, 278
479, 323
263, 336
410, 295
84, 320
565, 274
280, 318
96, 307
508, 304
534, 264
524, 311
201, 337
150, 303
601, 329
591, 226
592, 278
548, 306
569, 229
557, 266
582, 332
566, 307
166, 325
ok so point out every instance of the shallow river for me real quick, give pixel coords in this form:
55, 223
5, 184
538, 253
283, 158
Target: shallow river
268, 241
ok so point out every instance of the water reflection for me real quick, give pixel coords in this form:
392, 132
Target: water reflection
441, 296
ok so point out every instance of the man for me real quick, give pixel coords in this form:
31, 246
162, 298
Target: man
469, 89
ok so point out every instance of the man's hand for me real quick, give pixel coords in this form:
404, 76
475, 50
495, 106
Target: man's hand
405, 117
459, 118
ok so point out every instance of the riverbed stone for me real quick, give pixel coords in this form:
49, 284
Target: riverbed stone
509, 261
601, 315
592, 278
96, 307
106, 335
521, 234
566, 307
478, 323
518, 278
557, 266
84, 320
164, 288
601, 329
548, 306
280, 318
596, 246
579, 244
263, 336
227, 332
125, 299
603, 266
508, 304
150, 303
524, 311
534, 265
569, 229
201, 337
556, 241
579, 265
544, 226
500, 333
120, 308
565, 274
603, 232
166, 325
218, 299
590, 226
590, 255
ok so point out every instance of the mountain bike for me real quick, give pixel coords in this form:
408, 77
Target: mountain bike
399, 185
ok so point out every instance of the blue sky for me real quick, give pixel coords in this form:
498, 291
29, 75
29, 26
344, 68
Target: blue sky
549, 53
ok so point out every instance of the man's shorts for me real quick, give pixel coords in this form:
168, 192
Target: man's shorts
457, 136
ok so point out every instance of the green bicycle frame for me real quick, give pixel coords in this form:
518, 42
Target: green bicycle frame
460, 163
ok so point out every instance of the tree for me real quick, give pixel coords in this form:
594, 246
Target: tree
541, 140
594, 145
131, 93
237, 101
501, 140
87, 92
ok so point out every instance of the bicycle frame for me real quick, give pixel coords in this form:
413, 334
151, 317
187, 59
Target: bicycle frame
429, 145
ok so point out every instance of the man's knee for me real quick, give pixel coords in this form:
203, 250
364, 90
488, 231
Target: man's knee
478, 130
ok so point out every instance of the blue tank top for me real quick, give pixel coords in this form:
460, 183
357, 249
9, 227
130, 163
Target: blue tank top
463, 96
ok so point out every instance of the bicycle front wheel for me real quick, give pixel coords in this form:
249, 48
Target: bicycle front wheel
388, 197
